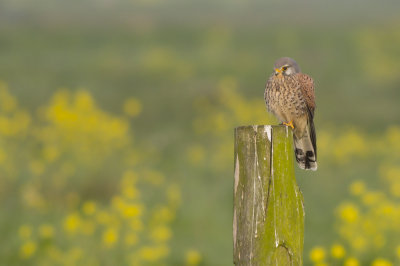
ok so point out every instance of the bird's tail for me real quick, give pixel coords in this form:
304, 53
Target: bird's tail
305, 147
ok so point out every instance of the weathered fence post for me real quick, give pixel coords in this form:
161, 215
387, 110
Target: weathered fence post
268, 216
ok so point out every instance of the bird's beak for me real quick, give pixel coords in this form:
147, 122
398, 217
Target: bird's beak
278, 71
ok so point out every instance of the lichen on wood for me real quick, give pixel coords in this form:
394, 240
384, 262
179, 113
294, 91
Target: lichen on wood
268, 217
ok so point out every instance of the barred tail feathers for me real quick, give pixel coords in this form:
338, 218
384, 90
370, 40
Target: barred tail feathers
305, 148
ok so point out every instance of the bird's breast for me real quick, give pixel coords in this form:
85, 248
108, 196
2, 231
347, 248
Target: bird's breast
284, 98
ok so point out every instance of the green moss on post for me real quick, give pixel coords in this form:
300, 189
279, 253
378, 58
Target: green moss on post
268, 217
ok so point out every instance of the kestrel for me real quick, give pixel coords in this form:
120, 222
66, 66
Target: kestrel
289, 95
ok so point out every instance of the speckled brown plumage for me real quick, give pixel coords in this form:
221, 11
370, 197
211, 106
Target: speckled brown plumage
289, 95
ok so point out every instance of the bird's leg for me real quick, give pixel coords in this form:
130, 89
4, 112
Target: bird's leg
290, 124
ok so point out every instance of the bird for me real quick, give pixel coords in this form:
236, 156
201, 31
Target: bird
289, 95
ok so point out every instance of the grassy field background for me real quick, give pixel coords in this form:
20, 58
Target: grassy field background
117, 117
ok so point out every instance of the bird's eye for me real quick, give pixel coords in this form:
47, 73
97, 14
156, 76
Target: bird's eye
284, 68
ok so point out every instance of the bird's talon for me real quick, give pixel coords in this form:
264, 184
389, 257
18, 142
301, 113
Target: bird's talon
290, 124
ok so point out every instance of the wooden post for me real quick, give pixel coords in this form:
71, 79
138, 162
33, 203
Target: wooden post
268, 215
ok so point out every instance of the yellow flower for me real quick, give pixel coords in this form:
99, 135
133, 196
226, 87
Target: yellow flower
350, 144
381, 262
130, 192
28, 249
348, 212
25, 231
110, 237
161, 233
15, 125
395, 189
127, 210
398, 251
89, 207
387, 209
317, 254
132, 107
83, 101
131, 210
357, 188
193, 257
153, 254
351, 262
358, 243
82, 127
371, 198
162, 214
338, 251
72, 222
46, 231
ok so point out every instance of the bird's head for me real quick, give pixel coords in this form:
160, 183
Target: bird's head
286, 66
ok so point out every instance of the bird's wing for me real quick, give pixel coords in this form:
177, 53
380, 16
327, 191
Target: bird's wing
307, 88
268, 87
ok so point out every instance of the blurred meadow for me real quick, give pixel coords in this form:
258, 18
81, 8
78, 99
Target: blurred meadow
117, 117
